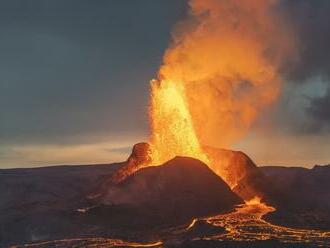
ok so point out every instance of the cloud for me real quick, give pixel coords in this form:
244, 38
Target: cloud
312, 23
319, 109
311, 20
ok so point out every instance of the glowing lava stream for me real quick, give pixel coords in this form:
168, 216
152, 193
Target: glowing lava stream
246, 224
90, 242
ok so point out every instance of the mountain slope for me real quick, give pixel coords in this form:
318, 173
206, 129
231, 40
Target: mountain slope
240, 173
177, 191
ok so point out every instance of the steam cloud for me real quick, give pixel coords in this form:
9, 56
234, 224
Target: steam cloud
227, 54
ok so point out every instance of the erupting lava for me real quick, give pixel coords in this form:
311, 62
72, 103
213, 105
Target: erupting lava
217, 76
174, 133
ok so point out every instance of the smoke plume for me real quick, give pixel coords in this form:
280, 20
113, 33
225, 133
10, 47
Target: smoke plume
227, 55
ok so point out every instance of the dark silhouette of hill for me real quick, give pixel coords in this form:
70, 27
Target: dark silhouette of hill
176, 192
302, 196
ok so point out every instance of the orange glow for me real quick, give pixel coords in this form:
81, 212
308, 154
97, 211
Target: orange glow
219, 74
174, 133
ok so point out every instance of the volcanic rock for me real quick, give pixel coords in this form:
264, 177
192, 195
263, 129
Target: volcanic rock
139, 158
239, 172
234, 167
176, 191
303, 196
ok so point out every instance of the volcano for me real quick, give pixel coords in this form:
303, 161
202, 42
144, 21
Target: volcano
173, 193
235, 168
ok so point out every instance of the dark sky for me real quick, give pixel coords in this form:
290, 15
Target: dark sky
74, 81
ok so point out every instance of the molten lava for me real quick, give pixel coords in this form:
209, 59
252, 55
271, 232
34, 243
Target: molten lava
173, 130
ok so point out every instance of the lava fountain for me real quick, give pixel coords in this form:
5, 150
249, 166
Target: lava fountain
174, 132
219, 73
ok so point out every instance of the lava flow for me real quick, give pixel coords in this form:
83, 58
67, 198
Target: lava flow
90, 242
246, 224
